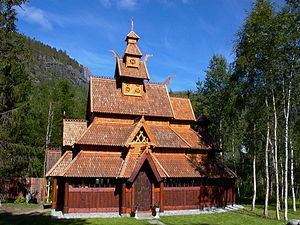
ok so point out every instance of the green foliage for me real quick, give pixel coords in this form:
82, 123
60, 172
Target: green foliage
33, 75
234, 96
4, 199
20, 200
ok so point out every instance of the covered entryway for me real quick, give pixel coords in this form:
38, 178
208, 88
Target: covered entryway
142, 191
144, 179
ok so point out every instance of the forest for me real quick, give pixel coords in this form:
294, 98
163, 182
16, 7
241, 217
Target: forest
36, 81
253, 102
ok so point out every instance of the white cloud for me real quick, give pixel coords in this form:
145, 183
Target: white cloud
34, 15
127, 4
122, 4
106, 3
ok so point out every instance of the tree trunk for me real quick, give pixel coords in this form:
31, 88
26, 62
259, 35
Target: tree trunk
286, 115
276, 157
47, 142
282, 181
292, 177
254, 181
266, 212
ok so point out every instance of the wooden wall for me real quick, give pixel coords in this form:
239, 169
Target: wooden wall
18, 187
93, 200
177, 198
85, 200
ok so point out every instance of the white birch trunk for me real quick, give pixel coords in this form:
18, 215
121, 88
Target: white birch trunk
282, 182
276, 157
286, 115
47, 142
292, 177
254, 181
266, 211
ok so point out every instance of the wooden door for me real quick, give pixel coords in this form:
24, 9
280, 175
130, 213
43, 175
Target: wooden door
142, 193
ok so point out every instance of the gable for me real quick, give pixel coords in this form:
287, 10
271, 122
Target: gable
141, 137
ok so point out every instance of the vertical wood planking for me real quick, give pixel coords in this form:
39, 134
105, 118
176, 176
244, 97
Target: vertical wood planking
66, 198
54, 195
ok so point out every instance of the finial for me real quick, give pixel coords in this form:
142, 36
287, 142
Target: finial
132, 24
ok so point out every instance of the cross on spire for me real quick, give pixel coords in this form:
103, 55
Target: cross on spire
132, 24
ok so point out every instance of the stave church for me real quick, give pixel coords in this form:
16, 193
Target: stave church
136, 149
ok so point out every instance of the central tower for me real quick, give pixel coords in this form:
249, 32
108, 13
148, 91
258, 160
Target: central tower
131, 70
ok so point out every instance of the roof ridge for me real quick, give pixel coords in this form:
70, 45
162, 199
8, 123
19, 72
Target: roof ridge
75, 120
124, 165
103, 77
183, 97
83, 133
180, 137
156, 160
71, 163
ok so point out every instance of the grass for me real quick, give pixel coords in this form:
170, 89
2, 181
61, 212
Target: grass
240, 217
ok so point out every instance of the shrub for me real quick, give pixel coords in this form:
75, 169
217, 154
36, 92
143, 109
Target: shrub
20, 200
4, 199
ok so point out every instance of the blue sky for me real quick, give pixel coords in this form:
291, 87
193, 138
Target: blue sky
182, 35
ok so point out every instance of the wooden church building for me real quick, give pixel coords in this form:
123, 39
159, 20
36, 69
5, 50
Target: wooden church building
137, 149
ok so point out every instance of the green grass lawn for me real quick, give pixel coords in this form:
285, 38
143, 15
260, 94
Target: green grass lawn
239, 217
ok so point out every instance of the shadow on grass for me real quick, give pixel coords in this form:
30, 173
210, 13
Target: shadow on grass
37, 218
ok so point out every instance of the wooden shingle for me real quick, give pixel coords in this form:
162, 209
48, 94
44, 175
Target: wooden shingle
106, 98
194, 140
94, 164
72, 130
59, 167
182, 109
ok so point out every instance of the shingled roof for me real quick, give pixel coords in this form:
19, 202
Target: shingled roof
52, 156
182, 109
165, 137
59, 167
122, 134
140, 72
194, 140
110, 164
180, 165
106, 98
72, 130
94, 164
107, 134
133, 49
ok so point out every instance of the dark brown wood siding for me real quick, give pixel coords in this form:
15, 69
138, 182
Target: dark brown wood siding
181, 198
176, 198
93, 200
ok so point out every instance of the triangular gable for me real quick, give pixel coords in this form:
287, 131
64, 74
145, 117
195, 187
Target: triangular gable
145, 156
140, 134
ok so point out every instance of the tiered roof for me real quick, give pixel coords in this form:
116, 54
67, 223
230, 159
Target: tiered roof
156, 121
121, 134
110, 164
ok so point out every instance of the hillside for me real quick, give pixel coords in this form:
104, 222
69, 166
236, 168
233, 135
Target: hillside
52, 64
56, 89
